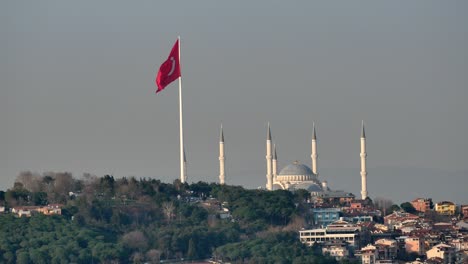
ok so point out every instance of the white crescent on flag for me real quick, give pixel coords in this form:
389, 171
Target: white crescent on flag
172, 66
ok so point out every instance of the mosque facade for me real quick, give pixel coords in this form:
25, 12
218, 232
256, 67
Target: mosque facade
297, 176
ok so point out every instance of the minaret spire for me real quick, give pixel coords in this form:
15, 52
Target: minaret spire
222, 176
314, 136
363, 133
275, 162
221, 134
185, 166
269, 157
363, 164
314, 154
269, 132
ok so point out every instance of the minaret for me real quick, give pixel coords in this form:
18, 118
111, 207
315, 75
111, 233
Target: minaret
269, 174
185, 167
275, 160
222, 176
314, 151
363, 164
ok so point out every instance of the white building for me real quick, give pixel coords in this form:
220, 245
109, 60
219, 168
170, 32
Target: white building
338, 231
368, 254
336, 250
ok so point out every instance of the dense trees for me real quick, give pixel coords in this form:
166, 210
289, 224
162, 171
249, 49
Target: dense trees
274, 248
125, 220
44, 239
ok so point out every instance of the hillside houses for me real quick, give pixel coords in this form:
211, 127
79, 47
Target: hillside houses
51, 209
430, 235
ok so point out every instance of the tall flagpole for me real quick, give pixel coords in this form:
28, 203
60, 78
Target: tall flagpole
181, 130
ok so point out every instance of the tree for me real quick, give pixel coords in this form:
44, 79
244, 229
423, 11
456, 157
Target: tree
48, 184
301, 196
40, 198
153, 256
8, 257
383, 204
2, 196
135, 240
31, 181
107, 185
22, 257
192, 251
393, 208
408, 207
431, 204
58, 185
168, 208
137, 258
18, 195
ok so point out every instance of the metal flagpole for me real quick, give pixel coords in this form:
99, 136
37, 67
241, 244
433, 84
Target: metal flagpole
181, 130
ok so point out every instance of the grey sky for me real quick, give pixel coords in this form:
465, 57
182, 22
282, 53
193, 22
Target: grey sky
77, 90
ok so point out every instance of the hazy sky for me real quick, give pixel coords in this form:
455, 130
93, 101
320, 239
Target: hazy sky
77, 90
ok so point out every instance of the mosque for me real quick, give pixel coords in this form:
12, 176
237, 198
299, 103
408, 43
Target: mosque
297, 176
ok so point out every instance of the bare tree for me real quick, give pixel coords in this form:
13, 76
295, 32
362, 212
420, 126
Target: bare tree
153, 256
63, 182
133, 188
383, 204
31, 181
138, 257
296, 224
89, 186
168, 209
135, 240
59, 185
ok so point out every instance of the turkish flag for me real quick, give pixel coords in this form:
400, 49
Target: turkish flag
169, 70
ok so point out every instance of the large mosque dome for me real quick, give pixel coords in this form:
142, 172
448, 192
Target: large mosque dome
296, 169
298, 176
296, 172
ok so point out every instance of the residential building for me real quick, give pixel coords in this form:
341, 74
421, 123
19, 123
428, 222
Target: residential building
397, 218
358, 218
384, 251
335, 197
368, 254
387, 249
422, 204
462, 225
52, 209
21, 211
325, 216
464, 210
415, 245
442, 251
357, 204
337, 250
460, 244
442, 226
445, 208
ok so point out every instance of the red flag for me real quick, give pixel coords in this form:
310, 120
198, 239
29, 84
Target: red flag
169, 70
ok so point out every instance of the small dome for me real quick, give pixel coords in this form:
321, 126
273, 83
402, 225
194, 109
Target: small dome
296, 169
